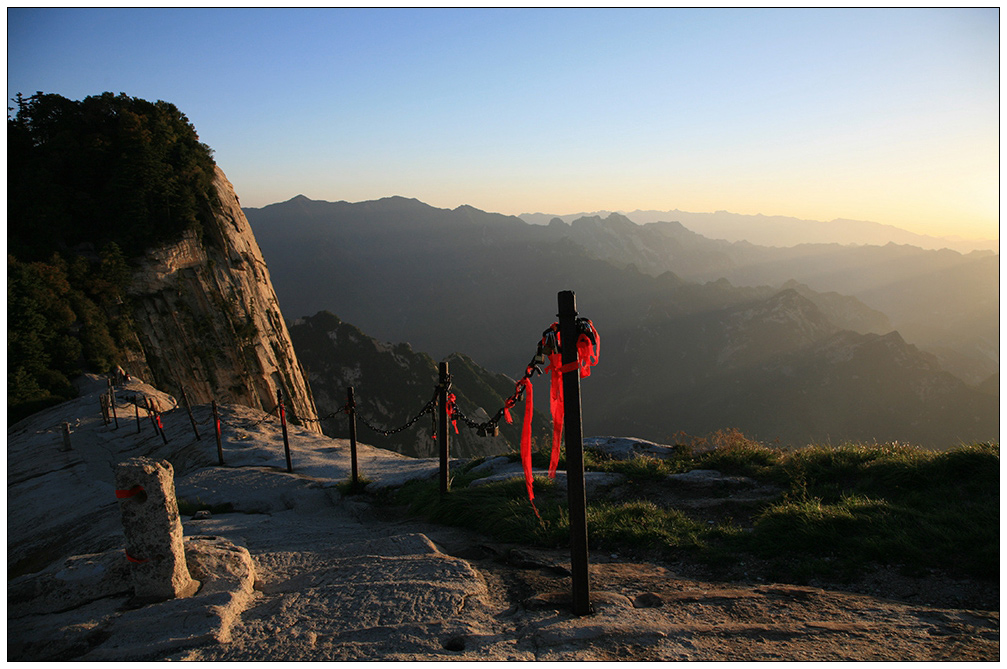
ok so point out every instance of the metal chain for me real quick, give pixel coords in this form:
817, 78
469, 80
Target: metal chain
429, 408
548, 344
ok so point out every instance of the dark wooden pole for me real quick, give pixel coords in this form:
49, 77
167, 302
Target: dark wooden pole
351, 411
216, 431
283, 423
111, 403
574, 437
66, 436
103, 399
150, 411
442, 425
156, 419
136, 407
188, 410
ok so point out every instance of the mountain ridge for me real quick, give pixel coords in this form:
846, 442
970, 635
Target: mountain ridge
485, 284
782, 231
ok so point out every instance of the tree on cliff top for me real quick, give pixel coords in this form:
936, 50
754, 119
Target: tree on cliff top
109, 168
111, 174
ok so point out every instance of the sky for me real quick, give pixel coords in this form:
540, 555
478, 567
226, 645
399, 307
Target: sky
887, 115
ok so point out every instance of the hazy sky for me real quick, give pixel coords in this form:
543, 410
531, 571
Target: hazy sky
883, 115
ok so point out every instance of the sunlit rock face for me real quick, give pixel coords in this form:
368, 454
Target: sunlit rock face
207, 318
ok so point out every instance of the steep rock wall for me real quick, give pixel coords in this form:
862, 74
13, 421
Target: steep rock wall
207, 318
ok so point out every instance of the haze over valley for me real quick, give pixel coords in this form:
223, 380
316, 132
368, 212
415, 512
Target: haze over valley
780, 349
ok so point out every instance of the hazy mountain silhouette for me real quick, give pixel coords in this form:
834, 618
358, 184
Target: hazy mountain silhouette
677, 355
784, 230
943, 301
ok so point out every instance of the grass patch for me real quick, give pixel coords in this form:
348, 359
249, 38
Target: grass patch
843, 507
347, 487
889, 503
188, 507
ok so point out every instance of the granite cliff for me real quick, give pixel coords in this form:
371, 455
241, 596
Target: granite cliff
207, 318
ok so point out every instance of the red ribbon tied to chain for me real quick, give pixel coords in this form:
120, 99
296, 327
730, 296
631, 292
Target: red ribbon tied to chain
450, 410
588, 350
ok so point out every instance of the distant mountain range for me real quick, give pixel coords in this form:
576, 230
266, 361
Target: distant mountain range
943, 301
784, 360
783, 230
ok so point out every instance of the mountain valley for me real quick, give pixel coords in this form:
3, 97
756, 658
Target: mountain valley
785, 363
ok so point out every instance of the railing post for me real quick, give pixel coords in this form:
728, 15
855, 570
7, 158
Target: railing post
111, 402
352, 413
66, 436
283, 423
216, 431
574, 437
136, 410
149, 404
155, 418
188, 410
444, 385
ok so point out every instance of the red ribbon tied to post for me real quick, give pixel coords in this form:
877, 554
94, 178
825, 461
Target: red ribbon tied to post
588, 349
450, 410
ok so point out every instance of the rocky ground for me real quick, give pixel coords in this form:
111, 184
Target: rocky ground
297, 572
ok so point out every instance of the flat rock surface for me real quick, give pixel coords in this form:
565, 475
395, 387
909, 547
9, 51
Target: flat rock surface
297, 572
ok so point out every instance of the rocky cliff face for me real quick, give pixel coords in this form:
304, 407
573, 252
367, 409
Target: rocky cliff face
207, 319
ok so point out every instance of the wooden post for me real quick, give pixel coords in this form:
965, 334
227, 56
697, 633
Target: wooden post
283, 423
149, 404
443, 387
188, 409
352, 412
573, 432
66, 436
216, 430
111, 402
155, 418
136, 406
103, 400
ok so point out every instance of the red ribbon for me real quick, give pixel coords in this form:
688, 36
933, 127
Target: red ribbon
556, 407
133, 559
587, 357
529, 408
132, 492
450, 410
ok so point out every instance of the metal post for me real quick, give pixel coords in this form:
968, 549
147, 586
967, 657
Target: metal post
352, 412
442, 424
188, 409
66, 436
573, 432
136, 407
283, 423
216, 430
103, 400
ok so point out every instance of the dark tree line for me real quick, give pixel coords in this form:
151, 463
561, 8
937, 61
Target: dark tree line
90, 184
106, 168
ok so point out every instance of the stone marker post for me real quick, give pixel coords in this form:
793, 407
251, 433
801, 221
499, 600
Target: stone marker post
146, 492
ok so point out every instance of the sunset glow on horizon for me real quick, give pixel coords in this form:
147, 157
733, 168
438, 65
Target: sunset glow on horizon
885, 115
